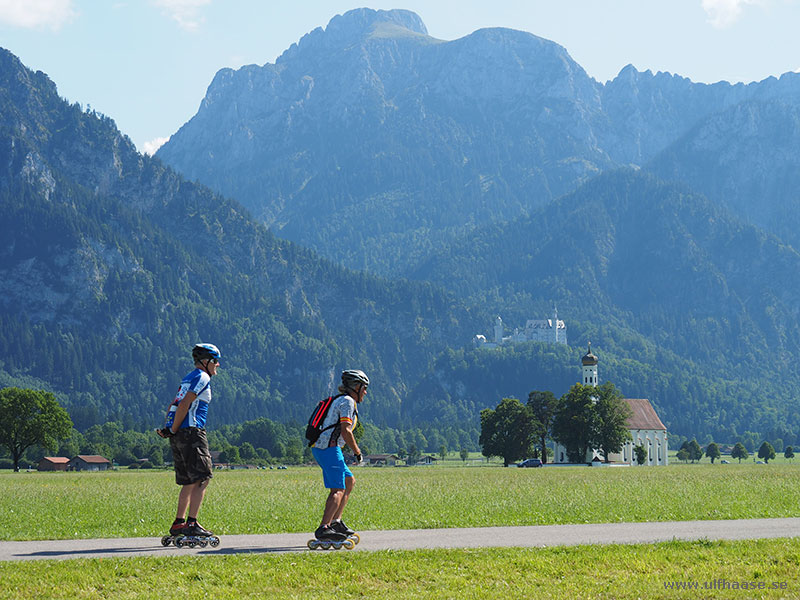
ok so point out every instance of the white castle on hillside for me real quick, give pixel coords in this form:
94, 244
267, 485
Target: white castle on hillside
551, 331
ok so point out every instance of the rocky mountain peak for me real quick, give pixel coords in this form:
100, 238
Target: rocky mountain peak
354, 27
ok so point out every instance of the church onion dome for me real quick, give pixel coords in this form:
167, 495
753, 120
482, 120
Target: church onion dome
589, 359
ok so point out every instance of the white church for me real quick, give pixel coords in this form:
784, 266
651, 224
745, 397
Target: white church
645, 427
553, 331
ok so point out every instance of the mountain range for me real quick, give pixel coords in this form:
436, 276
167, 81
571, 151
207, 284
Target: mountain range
375, 198
372, 120
113, 266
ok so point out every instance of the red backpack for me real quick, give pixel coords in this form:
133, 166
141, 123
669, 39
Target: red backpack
314, 428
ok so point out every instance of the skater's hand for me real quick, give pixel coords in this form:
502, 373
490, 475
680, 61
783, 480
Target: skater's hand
165, 433
359, 458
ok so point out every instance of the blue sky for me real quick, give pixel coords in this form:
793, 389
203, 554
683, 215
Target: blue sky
147, 63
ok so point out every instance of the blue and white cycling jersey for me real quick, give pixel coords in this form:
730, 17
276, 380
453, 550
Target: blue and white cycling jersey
199, 382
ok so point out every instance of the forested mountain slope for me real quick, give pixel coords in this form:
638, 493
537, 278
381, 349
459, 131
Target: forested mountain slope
486, 170
655, 276
112, 266
746, 158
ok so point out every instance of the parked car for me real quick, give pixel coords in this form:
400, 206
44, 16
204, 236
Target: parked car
531, 462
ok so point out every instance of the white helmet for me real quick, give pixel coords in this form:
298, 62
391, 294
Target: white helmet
205, 351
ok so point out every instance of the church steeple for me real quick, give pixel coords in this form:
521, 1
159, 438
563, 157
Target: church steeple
589, 362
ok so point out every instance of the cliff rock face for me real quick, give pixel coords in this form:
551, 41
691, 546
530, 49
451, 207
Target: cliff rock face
372, 121
745, 158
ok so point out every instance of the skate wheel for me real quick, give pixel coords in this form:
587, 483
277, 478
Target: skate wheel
166, 540
312, 544
325, 545
356, 538
214, 542
179, 543
337, 545
192, 544
349, 544
202, 543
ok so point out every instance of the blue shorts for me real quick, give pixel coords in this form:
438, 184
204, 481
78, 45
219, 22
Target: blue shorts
334, 469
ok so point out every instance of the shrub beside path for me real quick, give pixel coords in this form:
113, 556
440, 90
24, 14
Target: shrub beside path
414, 539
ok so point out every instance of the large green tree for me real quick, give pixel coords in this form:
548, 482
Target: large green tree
542, 406
693, 449
611, 431
507, 431
31, 417
767, 452
575, 421
712, 452
739, 451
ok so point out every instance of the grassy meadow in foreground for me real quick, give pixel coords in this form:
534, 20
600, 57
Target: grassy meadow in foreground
137, 503
767, 568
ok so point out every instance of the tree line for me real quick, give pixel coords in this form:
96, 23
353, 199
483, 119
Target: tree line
584, 418
33, 425
691, 451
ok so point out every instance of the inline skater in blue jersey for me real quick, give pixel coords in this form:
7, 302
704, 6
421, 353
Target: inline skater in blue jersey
185, 428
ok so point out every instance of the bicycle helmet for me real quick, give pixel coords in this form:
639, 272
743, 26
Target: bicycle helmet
205, 351
354, 376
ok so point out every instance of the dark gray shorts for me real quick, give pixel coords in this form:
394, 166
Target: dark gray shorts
191, 456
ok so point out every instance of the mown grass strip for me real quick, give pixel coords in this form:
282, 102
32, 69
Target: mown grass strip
768, 569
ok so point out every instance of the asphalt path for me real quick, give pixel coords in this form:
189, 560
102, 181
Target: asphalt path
536, 536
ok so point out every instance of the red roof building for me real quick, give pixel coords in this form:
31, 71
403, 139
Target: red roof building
89, 462
53, 463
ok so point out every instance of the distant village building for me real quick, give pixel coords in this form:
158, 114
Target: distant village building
381, 460
551, 331
89, 462
53, 463
645, 427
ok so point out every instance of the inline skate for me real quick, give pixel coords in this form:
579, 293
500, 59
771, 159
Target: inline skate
326, 538
340, 527
191, 535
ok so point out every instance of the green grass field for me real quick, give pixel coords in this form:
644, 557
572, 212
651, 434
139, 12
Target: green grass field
142, 503
637, 571
138, 503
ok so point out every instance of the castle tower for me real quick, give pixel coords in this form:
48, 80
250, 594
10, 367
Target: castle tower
555, 325
589, 362
498, 331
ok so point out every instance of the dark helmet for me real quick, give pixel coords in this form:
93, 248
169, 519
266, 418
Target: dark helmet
351, 377
205, 351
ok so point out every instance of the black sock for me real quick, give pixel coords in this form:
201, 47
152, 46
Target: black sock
178, 521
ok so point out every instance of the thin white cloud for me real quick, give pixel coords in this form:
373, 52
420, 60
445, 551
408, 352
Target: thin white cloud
724, 13
184, 12
37, 14
152, 146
